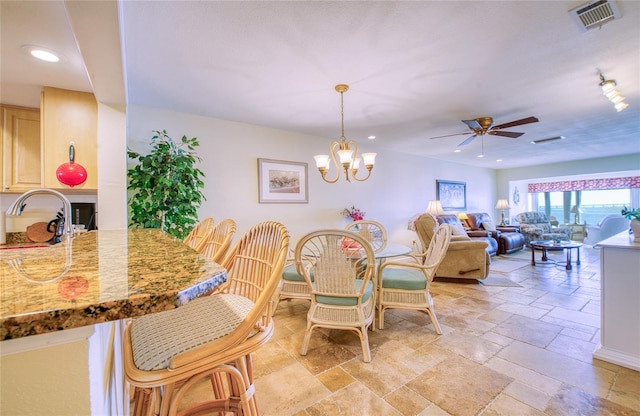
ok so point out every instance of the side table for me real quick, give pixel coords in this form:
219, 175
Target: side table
578, 231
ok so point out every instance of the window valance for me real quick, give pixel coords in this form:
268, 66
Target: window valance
586, 184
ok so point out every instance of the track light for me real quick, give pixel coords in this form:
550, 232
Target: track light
609, 90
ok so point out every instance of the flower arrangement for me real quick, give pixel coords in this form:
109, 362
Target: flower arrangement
631, 214
354, 213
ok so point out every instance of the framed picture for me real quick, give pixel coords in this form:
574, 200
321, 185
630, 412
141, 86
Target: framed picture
282, 182
452, 195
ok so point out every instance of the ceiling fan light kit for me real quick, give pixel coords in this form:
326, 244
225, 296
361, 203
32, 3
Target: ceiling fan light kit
347, 152
610, 91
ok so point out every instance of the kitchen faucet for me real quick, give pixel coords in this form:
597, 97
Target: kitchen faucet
18, 205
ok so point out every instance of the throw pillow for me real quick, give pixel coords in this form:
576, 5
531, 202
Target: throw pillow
488, 225
456, 229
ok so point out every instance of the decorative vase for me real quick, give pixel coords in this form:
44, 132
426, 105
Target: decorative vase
635, 227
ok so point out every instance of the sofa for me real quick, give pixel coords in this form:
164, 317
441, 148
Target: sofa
508, 238
466, 258
481, 235
535, 225
607, 227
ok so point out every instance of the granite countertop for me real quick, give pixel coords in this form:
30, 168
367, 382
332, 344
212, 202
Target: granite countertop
97, 277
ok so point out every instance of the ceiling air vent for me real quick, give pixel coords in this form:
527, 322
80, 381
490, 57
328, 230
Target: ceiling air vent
550, 139
595, 14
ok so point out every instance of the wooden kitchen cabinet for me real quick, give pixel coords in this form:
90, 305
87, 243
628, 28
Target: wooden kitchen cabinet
20, 151
69, 116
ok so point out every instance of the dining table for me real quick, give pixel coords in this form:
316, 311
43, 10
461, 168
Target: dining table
390, 250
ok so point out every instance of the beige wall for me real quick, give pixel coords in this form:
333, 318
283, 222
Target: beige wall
400, 185
46, 374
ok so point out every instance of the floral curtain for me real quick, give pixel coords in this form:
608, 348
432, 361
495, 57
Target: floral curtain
629, 182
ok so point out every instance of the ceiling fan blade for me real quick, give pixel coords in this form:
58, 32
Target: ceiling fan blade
473, 124
511, 134
516, 123
449, 135
469, 140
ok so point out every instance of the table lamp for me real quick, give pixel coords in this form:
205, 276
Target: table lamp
502, 205
435, 207
463, 218
576, 210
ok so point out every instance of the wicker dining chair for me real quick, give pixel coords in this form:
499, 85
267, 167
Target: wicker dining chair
293, 285
405, 285
342, 290
211, 337
217, 243
372, 231
198, 233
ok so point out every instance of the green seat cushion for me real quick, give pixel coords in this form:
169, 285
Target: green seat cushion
402, 278
332, 300
290, 273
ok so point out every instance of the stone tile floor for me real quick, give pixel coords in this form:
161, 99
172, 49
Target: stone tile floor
504, 351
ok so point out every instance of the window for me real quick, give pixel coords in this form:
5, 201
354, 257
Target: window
595, 204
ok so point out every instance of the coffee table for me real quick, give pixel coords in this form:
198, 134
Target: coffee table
546, 245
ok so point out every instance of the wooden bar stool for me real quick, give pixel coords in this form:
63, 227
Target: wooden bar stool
198, 234
212, 337
217, 243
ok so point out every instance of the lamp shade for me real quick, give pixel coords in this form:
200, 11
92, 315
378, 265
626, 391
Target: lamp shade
576, 210
369, 158
502, 204
435, 207
463, 216
322, 161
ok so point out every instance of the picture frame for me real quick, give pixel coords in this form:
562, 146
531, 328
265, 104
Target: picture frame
282, 182
452, 195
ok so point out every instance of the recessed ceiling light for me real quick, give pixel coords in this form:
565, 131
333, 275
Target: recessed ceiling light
371, 137
480, 155
498, 160
457, 151
43, 54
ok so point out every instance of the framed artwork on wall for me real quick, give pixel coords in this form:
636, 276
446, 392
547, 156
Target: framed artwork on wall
282, 182
452, 195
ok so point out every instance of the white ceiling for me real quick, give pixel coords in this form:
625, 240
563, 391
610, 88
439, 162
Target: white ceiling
415, 69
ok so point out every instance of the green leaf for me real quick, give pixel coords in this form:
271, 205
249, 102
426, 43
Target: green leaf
165, 186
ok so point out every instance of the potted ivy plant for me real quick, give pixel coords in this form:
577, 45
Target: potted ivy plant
165, 185
634, 216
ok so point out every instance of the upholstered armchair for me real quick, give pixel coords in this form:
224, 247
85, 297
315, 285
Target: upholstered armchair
479, 234
607, 227
508, 238
466, 258
535, 225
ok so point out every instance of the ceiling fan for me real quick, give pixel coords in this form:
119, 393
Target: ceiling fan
482, 126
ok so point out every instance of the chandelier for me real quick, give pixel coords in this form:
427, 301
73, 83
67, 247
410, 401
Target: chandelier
347, 152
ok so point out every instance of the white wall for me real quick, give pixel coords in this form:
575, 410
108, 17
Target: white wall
112, 166
400, 185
